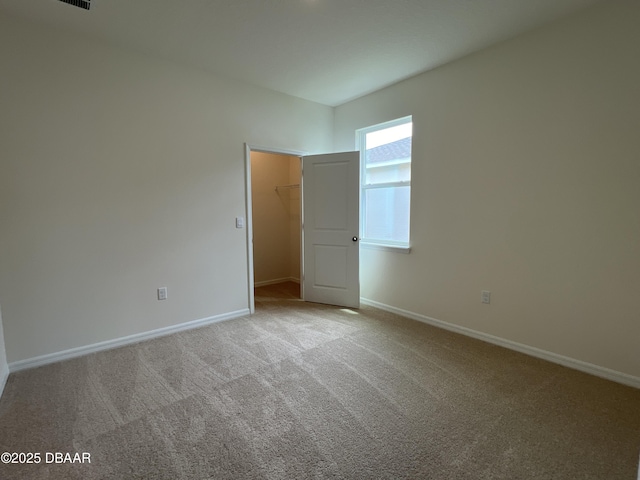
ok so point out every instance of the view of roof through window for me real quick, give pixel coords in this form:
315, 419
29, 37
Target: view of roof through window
385, 153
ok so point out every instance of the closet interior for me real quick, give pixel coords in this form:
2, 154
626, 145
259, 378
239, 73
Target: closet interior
276, 215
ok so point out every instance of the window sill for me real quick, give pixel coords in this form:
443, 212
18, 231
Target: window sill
385, 248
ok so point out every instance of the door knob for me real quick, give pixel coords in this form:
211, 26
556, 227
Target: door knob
355, 239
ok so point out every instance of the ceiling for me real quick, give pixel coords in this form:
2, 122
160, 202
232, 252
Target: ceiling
326, 51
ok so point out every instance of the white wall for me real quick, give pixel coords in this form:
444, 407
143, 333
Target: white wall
275, 233
120, 173
526, 182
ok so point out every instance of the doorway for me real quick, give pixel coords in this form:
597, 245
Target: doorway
276, 221
328, 206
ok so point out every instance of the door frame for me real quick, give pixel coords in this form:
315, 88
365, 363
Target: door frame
248, 148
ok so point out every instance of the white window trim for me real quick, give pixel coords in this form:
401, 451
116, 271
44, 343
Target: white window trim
385, 248
391, 163
371, 243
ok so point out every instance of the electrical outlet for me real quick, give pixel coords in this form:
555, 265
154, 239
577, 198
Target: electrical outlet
486, 296
162, 293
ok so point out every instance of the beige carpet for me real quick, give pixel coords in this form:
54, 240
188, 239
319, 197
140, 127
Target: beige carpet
310, 391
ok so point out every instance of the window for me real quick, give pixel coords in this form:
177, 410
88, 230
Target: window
385, 179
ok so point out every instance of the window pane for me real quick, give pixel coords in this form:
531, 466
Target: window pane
387, 214
385, 152
388, 155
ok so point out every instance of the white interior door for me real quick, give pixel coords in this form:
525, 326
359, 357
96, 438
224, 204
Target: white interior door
331, 221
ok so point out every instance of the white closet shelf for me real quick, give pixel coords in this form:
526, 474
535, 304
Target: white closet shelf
286, 187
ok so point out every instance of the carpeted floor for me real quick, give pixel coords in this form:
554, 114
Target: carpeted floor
302, 390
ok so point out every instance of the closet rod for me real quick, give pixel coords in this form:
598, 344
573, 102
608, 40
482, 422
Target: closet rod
295, 185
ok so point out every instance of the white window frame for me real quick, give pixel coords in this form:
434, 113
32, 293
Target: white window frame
388, 245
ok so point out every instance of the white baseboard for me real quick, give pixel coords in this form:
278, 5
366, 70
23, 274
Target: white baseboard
4, 376
120, 342
590, 368
264, 283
